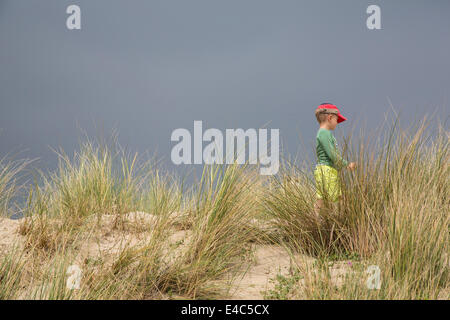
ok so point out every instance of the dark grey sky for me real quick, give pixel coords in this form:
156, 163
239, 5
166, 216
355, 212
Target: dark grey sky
149, 67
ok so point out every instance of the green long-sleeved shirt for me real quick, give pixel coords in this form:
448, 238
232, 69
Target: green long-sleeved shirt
327, 150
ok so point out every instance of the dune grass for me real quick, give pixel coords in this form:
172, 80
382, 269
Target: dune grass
393, 215
223, 205
68, 209
10, 172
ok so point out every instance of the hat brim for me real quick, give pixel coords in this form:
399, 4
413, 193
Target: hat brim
341, 118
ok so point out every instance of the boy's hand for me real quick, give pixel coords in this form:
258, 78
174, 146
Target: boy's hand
351, 166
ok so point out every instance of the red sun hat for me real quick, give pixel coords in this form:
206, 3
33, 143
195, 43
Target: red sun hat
330, 108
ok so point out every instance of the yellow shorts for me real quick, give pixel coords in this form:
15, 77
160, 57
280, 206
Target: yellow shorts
327, 183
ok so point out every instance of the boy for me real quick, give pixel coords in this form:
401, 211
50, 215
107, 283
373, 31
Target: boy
329, 159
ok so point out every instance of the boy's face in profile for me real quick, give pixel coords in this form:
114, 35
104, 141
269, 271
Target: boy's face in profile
332, 121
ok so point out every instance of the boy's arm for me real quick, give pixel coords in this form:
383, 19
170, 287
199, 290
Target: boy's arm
328, 144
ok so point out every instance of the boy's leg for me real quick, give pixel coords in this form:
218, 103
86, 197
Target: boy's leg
317, 206
318, 177
336, 204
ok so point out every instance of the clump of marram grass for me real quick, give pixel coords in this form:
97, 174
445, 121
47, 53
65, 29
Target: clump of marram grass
96, 181
418, 221
11, 273
136, 272
394, 214
162, 193
224, 206
289, 202
9, 173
